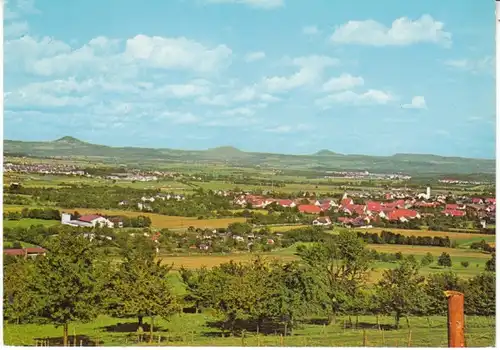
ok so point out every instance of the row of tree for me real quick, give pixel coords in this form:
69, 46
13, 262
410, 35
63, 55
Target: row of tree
388, 237
76, 281
34, 213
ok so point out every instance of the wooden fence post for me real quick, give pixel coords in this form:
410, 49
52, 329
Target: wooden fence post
383, 337
364, 337
409, 338
456, 320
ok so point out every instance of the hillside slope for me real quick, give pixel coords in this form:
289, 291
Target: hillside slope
321, 161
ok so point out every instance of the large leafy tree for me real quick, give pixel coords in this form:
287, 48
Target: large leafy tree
480, 295
342, 264
434, 288
68, 281
400, 291
19, 301
140, 286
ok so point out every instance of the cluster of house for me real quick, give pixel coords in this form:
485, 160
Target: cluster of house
460, 182
145, 203
55, 169
394, 210
366, 175
249, 239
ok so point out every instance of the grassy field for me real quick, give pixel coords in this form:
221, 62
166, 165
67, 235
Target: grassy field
201, 330
475, 259
28, 223
157, 220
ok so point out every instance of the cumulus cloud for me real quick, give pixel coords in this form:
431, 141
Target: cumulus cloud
402, 32
417, 102
352, 98
311, 69
176, 53
255, 56
343, 82
49, 57
262, 4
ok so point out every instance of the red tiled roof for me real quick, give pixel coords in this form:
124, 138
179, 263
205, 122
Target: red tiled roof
307, 208
374, 206
346, 202
451, 207
401, 213
33, 250
453, 212
89, 218
285, 202
13, 251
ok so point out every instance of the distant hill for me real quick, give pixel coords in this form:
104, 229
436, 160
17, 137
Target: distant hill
325, 152
69, 140
323, 160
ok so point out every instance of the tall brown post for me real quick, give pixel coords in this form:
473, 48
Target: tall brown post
456, 319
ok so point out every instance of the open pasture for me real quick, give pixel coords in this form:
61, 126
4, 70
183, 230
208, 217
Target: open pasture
28, 223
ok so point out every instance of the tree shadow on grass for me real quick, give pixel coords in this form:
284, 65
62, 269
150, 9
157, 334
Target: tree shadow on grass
268, 327
131, 327
81, 339
350, 324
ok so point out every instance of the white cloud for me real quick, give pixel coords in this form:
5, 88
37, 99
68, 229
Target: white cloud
343, 82
350, 97
217, 100
49, 57
402, 32
311, 69
197, 88
262, 4
472, 65
310, 30
255, 56
251, 93
176, 53
417, 102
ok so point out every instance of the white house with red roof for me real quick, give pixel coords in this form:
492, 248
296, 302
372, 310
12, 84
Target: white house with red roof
453, 212
309, 209
287, 203
402, 215
92, 220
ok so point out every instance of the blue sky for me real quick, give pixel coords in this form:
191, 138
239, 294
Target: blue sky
287, 76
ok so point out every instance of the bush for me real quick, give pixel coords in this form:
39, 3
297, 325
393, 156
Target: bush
465, 263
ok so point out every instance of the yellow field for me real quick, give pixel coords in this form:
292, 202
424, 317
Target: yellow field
197, 261
286, 228
422, 233
422, 250
157, 220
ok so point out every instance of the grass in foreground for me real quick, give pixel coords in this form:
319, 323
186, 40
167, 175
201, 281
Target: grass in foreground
201, 330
